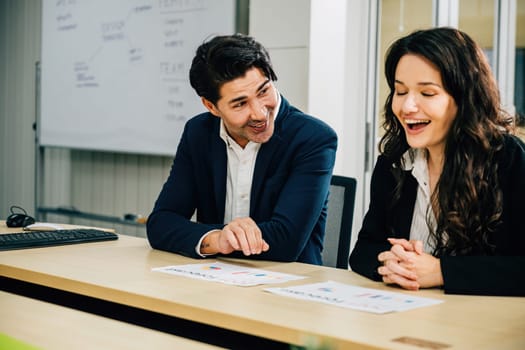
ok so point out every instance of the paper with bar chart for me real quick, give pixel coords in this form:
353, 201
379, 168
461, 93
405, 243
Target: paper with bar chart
354, 297
228, 273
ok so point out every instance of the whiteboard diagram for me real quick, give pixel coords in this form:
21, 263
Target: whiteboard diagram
114, 73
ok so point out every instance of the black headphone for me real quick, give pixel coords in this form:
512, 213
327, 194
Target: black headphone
19, 219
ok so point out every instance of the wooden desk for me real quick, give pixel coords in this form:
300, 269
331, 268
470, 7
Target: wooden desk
120, 272
51, 326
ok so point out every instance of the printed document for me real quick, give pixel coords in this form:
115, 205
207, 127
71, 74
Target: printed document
353, 297
228, 273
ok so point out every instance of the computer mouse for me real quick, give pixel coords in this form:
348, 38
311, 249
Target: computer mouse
19, 220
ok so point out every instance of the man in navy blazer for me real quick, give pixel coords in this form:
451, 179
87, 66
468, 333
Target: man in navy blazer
254, 169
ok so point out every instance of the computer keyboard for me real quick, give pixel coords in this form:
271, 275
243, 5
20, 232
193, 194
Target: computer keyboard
34, 239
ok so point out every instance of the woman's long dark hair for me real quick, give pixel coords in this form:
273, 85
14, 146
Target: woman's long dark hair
468, 198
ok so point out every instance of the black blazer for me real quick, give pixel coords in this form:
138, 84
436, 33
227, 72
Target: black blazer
288, 196
500, 274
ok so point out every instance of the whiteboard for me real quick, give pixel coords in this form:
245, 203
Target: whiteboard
114, 73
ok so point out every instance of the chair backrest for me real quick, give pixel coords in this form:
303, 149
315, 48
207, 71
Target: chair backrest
338, 232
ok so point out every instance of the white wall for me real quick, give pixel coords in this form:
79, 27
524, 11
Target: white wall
19, 51
283, 27
339, 70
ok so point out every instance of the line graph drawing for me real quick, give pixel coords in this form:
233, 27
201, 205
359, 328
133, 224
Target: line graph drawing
112, 70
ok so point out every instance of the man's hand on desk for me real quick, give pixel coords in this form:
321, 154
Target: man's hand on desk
241, 234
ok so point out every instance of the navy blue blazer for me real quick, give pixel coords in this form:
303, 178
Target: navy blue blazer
500, 274
288, 196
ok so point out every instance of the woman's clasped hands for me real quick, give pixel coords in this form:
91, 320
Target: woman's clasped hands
407, 265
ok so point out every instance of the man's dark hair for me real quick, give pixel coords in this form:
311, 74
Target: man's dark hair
225, 58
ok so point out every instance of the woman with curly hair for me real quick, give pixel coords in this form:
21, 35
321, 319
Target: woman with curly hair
449, 185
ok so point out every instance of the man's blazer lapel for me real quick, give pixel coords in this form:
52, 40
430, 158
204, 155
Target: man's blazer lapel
218, 159
266, 154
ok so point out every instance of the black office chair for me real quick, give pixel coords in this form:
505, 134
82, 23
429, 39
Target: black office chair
338, 232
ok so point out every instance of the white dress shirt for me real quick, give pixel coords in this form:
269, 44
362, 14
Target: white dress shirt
416, 161
239, 177
241, 164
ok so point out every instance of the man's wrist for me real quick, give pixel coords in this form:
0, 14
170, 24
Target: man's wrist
208, 244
